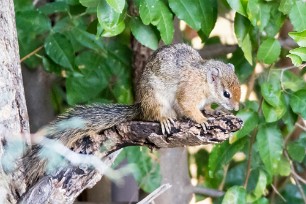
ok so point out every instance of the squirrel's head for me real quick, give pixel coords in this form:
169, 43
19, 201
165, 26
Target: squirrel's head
224, 84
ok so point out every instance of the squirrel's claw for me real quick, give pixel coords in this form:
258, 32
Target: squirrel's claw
166, 125
204, 126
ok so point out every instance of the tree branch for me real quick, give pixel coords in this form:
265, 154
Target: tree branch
69, 180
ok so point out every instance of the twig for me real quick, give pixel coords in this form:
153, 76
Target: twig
250, 149
221, 186
207, 191
301, 126
216, 50
276, 191
248, 173
296, 179
157, 192
31, 53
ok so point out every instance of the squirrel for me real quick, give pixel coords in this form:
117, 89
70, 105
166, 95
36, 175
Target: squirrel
176, 82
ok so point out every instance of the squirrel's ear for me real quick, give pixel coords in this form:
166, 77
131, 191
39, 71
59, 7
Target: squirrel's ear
214, 74
231, 66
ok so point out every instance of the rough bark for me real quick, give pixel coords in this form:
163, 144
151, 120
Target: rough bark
14, 127
66, 182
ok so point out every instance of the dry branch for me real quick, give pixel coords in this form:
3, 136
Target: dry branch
67, 182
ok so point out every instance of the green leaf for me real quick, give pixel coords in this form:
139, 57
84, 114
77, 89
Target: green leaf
262, 200
80, 87
158, 14
293, 82
271, 91
299, 37
148, 174
88, 40
111, 21
144, 33
187, 11
297, 15
32, 21
285, 6
23, 5
273, 114
149, 11
54, 7
239, 6
60, 50
242, 26
209, 15
222, 154
275, 22
300, 51
165, 24
259, 13
115, 30
284, 167
259, 189
269, 51
296, 60
297, 148
90, 3
298, 102
50, 66
270, 143
246, 47
235, 195
250, 122
117, 5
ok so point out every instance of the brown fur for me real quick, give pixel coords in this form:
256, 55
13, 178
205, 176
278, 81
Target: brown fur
177, 82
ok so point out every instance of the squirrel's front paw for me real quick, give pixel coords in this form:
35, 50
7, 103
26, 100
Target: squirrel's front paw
166, 125
204, 126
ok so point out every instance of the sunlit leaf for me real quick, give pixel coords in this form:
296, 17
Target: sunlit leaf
300, 51
269, 51
258, 13
117, 5
250, 121
90, 3
297, 15
284, 167
299, 37
296, 60
259, 189
235, 195
239, 6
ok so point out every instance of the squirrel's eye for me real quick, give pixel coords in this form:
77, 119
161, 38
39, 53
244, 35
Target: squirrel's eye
226, 94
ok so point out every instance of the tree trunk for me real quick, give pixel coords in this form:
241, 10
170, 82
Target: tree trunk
14, 127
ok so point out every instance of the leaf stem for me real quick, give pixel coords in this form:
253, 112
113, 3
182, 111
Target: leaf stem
248, 173
31, 53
